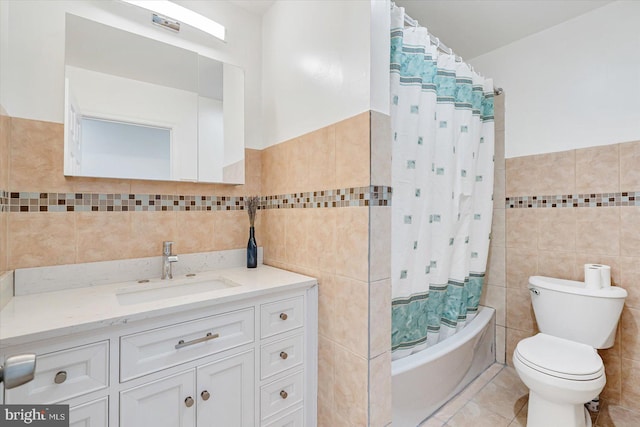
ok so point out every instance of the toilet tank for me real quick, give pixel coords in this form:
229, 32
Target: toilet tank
566, 309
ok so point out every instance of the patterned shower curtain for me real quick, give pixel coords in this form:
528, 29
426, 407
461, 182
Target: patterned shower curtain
442, 176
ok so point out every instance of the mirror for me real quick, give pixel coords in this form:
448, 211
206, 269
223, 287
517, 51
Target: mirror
139, 108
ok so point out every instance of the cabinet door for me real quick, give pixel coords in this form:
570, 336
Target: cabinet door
226, 392
168, 402
92, 414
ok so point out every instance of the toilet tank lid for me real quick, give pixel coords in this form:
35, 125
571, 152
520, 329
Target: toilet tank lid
574, 287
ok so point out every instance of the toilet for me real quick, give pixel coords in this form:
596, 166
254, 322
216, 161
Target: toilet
560, 365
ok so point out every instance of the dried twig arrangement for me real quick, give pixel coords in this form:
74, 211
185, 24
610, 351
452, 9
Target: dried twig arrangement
251, 204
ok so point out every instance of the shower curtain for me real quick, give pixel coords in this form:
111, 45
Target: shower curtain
442, 177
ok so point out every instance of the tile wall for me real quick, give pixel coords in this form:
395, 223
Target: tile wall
346, 248
55, 219
566, 209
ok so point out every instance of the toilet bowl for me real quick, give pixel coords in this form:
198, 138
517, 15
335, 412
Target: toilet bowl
561, 375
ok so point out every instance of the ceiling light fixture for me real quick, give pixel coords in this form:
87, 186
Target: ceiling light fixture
182, 14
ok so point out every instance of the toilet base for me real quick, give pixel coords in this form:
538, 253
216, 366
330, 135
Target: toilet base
543, 413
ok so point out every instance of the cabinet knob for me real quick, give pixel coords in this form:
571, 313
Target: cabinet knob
283, 394
283, 355
283, 316
205, 395
189, 402
60, 377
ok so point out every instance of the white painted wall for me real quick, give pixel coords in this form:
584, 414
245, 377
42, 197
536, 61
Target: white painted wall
316, 65
572, 86
32, 51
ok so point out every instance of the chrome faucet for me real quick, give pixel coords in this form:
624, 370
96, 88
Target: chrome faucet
167, 259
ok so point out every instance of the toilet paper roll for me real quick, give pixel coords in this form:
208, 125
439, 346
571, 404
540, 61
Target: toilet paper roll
605, 276
592, 277
605, 273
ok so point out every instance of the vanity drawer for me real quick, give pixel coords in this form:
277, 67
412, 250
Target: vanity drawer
294, 419
281, 355
91, 414
65, 374
281, 316
157, 349
281, 394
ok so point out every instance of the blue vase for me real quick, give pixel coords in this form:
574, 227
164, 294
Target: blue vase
252, 249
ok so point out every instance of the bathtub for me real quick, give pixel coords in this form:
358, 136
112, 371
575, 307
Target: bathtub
424, 381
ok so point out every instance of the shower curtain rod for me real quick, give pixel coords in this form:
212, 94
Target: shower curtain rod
442, 47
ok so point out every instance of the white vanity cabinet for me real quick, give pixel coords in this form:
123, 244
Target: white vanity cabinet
248, 361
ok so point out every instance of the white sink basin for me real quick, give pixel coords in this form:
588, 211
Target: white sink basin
155, 291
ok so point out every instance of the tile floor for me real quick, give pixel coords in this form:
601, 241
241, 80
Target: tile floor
498, 398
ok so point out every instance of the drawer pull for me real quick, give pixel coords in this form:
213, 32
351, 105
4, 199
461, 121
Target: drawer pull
283, 355
205, 395
189, 402
283, 394
208, 337
60, 377
283, 316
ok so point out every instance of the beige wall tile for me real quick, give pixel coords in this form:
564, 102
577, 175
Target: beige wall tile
630, 230
496, 266
380, 390
352, 233
100, 185
273, 234
521, 177
327, 297
153, 187
557, 229
499, 112
351, 315
380, 149
379, 317
598, 169
499, 188
522, 229
252, 171
630, 333
495, 296
37, 156
520, 311
298, 157
195, 232
499, 159
501, 336
629, 161
351, 397
320, 249
326, 379
37, 240
555, 172
598, 230
149, 230
498, 227
380, 243
321, 165
561, 265
297, 235
630, 396
629, 269
4, 262
103, 236
274, 167
521, 263
353, 151
232, 230
5, 144
613, 370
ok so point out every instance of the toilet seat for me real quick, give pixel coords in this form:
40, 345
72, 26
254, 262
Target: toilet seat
560, 358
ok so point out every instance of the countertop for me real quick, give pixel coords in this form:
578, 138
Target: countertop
52, 314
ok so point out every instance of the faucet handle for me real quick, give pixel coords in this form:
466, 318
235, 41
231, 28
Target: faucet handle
166, 248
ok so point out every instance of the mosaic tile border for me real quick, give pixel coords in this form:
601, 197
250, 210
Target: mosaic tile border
112, 202
591, 200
